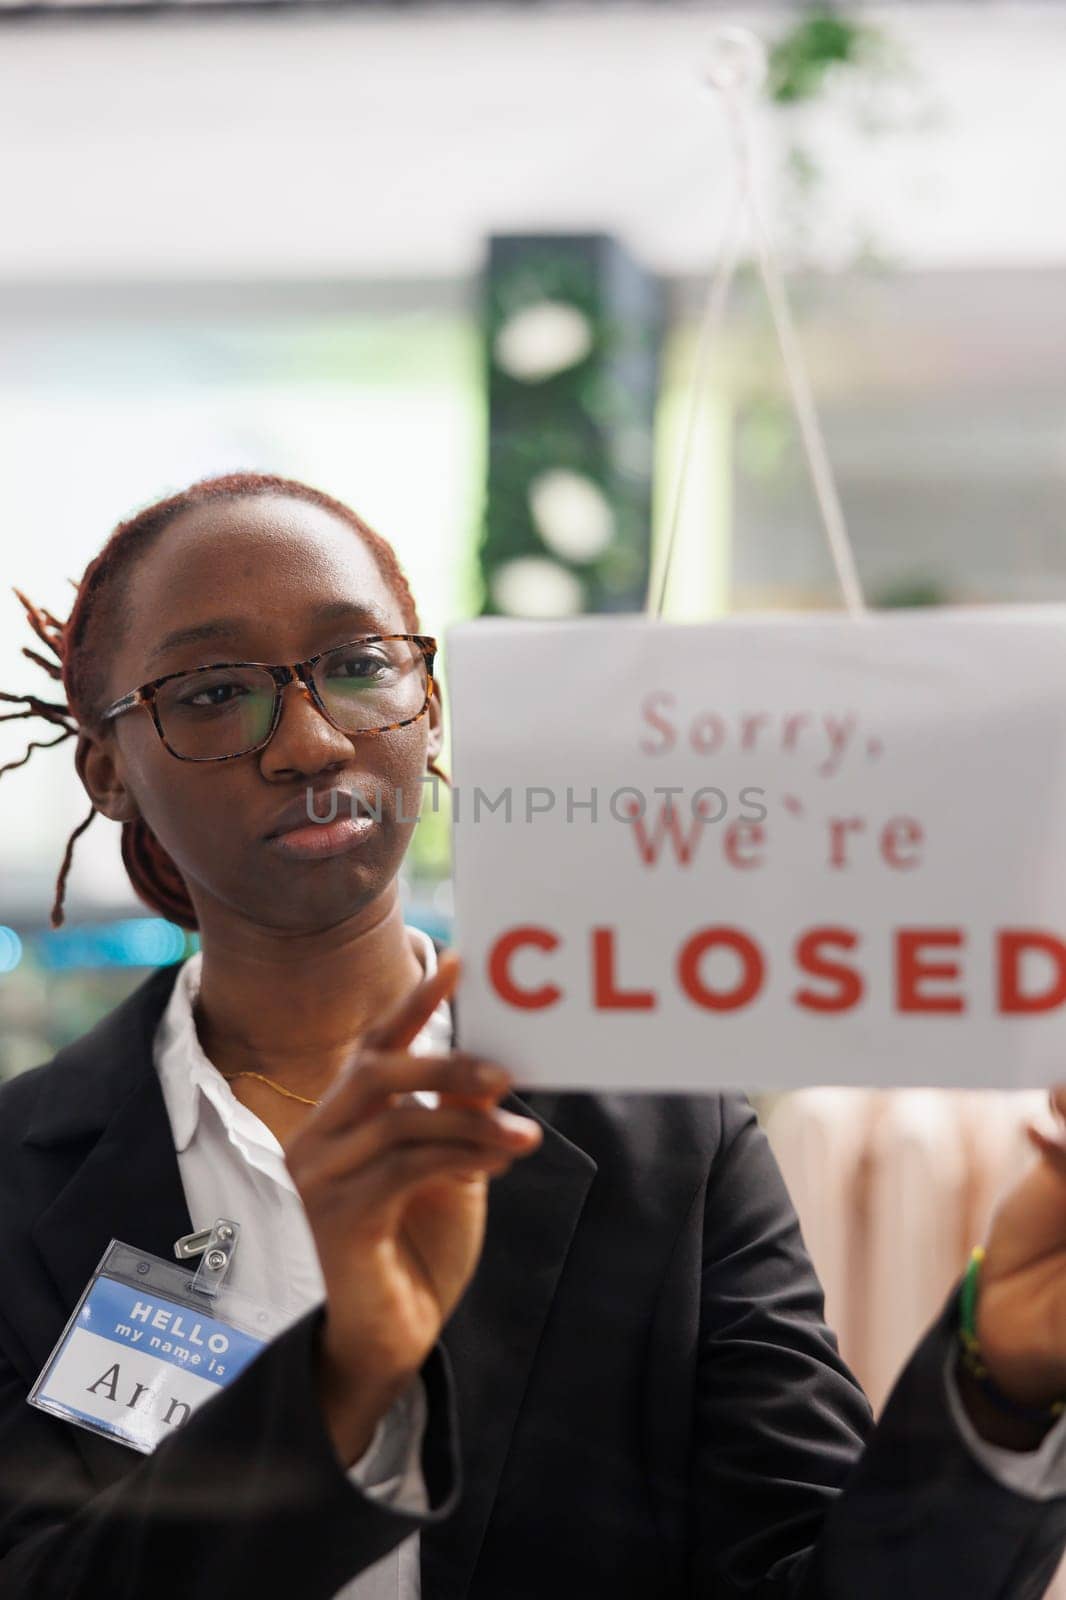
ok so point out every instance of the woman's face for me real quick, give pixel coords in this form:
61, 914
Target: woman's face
260, 572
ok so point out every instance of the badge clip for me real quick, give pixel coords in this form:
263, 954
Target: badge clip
215, 1246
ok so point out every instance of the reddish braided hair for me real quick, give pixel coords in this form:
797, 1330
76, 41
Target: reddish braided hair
80, 665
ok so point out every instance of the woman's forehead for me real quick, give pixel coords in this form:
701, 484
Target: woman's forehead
269, 564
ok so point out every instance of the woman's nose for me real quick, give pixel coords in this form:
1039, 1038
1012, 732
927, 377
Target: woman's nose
304, 740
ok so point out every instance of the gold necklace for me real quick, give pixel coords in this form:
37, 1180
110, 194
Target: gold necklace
261, 1077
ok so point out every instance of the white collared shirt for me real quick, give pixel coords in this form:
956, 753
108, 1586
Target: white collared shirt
232, 1165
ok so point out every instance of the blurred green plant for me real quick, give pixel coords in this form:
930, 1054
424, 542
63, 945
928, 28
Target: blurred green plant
837, 76
832, 70
823, 40
832, 58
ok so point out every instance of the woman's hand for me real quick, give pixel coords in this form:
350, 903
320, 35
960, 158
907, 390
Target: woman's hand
396, 1194
1021, 1303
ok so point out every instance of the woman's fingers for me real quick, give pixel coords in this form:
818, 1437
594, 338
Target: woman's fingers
407, 1019
389, 1181
376, 1075
411, 1125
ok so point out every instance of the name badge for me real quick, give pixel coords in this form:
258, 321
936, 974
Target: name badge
144, 1348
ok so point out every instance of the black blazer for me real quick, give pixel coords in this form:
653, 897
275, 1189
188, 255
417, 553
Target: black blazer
637, 1396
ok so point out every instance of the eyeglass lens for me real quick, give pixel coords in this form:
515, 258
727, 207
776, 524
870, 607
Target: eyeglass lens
225, 711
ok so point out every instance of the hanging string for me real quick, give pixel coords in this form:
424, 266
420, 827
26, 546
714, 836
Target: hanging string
736, 71
714, 311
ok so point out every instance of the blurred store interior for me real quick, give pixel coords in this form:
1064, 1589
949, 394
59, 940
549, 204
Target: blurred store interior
447, 263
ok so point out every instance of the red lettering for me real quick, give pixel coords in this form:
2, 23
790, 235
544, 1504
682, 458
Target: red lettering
499, 968
792, 726
667, 729
809, 958
741, 836
896, 836
839, 828
1011, 947
912, 971
750, 726
668, 824
707, 733
606, 995
927, 976
688, 969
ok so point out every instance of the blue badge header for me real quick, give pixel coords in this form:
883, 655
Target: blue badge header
190, 1339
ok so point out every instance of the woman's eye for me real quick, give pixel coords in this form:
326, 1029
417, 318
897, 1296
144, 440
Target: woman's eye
366, 665
214, 694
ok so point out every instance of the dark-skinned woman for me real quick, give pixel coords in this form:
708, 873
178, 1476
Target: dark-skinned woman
528, 1344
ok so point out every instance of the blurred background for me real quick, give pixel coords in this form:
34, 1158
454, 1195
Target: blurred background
447, 262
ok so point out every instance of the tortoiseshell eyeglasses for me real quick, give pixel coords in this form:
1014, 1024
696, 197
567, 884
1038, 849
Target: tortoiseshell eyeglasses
373, 684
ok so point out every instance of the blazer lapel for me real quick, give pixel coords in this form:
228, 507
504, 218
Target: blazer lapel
492, 1336
128, 1186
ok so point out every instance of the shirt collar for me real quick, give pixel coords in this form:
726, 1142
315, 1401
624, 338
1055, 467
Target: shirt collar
186, 1074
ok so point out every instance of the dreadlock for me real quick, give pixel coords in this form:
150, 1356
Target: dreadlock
80, 665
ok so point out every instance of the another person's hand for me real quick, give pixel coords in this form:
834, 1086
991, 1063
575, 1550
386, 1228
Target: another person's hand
1021, 1303
396, 1194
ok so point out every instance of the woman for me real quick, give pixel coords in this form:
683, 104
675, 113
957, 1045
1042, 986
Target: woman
610, 1376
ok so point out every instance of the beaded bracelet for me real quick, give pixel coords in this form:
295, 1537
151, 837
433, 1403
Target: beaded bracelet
971, 1352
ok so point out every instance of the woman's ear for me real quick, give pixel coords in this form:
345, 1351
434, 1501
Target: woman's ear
99, 771
435, 742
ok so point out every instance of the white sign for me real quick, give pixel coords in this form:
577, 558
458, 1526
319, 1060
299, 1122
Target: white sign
761, 853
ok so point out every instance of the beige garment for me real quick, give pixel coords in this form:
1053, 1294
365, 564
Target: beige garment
892, 1189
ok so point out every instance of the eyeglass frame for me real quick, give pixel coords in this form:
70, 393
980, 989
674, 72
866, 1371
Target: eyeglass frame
283, 673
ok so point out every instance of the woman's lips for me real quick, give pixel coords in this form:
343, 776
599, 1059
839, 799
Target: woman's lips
322, 838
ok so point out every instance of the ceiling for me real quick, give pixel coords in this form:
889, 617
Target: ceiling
386, 142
